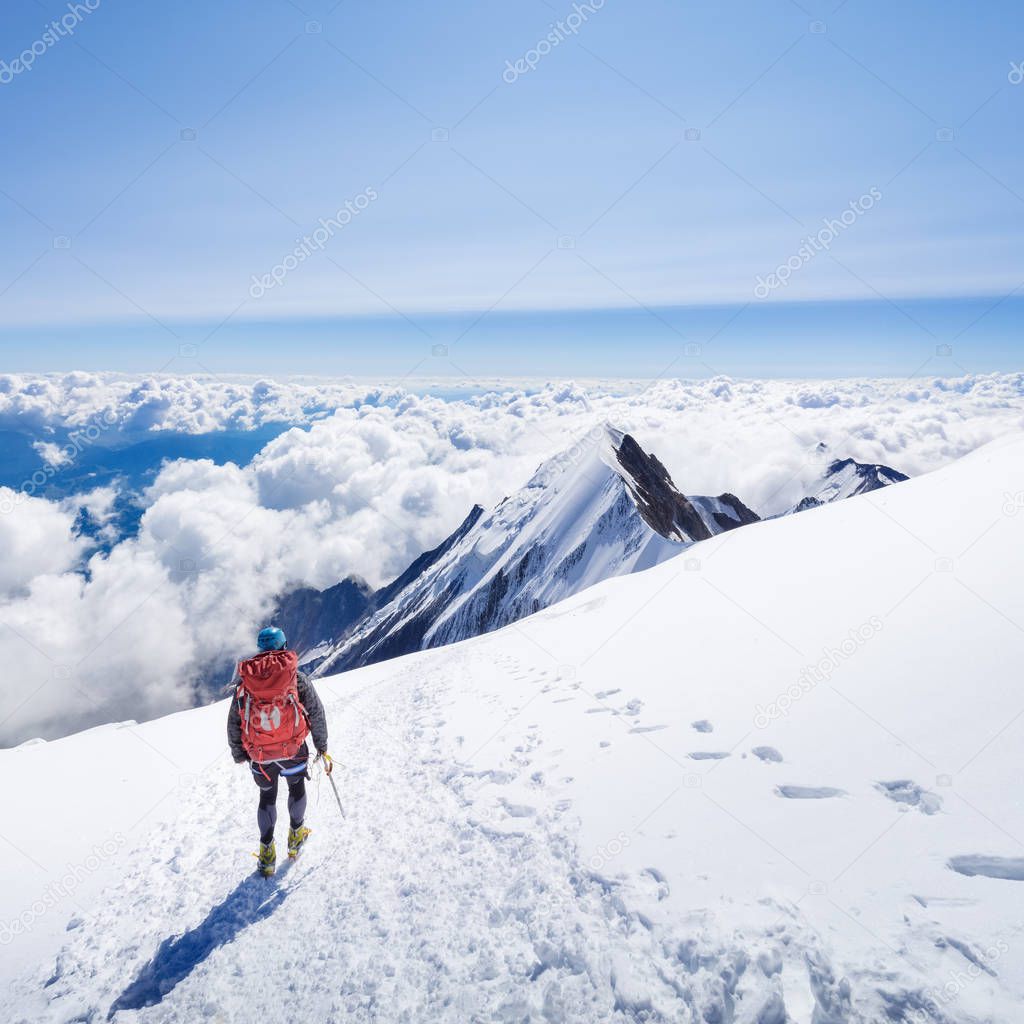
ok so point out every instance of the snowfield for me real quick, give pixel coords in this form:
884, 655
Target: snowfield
774, 779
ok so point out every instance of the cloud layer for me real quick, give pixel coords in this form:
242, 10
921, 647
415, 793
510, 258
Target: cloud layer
367, 479
191, 405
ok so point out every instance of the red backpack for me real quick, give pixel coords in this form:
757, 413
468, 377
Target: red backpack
274, 724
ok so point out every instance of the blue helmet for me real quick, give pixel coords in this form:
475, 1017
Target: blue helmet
271, 639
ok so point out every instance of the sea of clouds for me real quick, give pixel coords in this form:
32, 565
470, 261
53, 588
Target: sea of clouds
367, 478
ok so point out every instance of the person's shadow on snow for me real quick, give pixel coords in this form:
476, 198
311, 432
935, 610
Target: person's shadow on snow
253, 899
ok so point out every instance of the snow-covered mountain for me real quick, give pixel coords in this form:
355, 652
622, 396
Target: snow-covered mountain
317, 621
602, 508
844, 478
783, 788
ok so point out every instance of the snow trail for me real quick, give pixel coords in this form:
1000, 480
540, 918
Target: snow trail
432, 902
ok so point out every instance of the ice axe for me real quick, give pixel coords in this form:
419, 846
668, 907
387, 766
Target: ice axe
328, 771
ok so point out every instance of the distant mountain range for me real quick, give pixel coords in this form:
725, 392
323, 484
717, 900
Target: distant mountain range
844, 478
600, 509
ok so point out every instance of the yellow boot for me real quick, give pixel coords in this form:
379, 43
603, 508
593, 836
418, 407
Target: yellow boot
266, 859
296, 837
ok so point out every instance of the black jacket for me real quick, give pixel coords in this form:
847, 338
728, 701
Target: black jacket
310, 702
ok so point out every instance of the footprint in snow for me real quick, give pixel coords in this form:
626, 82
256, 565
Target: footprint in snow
605, 694
518, 810
767, 754
966, 952
943, 901
808, 792
702, 725
1010, 868
493, 775
648, 728
708, 755
655, 882
909, 794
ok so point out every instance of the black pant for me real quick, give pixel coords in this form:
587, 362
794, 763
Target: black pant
266, 776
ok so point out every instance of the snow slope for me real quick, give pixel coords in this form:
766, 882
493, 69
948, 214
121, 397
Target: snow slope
777, 780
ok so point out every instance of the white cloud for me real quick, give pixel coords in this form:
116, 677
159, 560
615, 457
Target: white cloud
52, 454
140, 404
367, 487
99, 506
114, 647
36, 540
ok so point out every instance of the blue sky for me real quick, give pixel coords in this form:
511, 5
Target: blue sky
609, 211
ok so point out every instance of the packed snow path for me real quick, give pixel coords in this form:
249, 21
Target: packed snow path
437, 899
450, 893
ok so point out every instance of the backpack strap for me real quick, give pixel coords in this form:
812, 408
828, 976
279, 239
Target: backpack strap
243, 709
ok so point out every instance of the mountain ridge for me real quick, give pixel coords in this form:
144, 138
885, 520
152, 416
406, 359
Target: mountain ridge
846, 478
617, 501
601, 508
